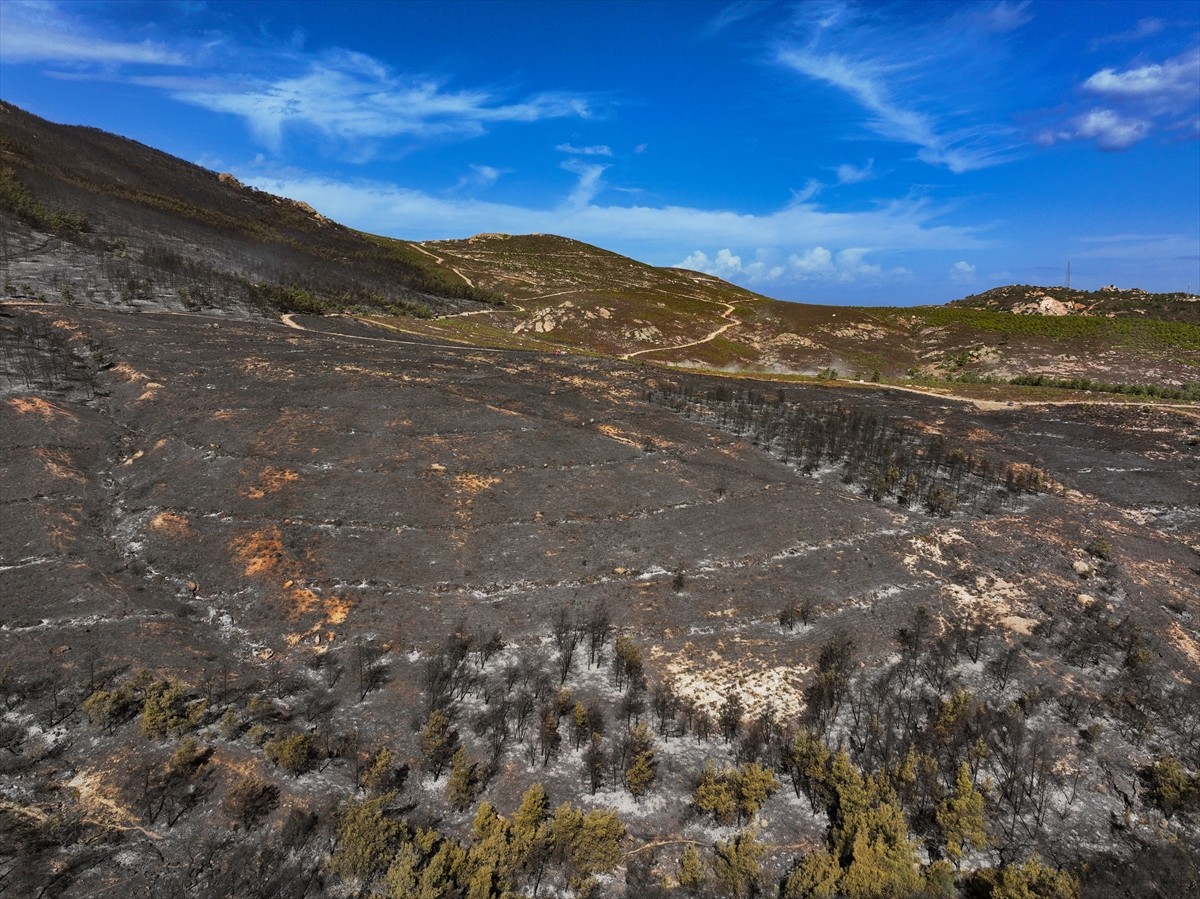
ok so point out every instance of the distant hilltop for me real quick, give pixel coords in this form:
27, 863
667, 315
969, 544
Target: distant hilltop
1109, 301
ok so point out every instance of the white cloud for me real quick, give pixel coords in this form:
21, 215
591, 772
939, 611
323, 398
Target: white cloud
962, 273
1138, 101
814, 264
599, 150
41, 32
1110, 130
1161, 87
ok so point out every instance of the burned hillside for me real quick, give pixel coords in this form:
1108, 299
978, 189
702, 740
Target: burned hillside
287, 611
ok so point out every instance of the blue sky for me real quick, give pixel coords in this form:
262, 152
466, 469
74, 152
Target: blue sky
830, 152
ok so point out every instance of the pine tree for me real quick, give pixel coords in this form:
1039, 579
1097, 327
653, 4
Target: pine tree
692, 875
437, 742
755, 784
641, 765
815, 877
737, 865
364, 838
463, 780
715, 796
961, 819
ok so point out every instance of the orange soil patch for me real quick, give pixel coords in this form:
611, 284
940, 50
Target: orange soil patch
58, 463
336, 611
172, 524
612, 432
261, 553
473, 484
129, 373
1186, 644
63, 527
468, 486
35, 405
272, 480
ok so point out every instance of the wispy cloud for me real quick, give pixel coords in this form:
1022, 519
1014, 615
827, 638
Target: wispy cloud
589, 182
1145, 28
348, 97
599, 150
876, 67
849, 174
1003, 16
732, 14
351, 96
480, 177
41, 32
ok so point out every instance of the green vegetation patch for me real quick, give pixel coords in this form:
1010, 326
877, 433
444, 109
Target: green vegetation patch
1126, 332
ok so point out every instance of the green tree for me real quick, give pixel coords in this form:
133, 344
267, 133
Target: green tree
292, 753
960, 817
463, 780
437, 742
815, 877
1031, 880
379, 776
715, 796
641, 767
529, 835
166, 710
403, 878
365, 839
737, 865
755, 785
691, 872
1171, 788
807, 763
250, 800
588, 843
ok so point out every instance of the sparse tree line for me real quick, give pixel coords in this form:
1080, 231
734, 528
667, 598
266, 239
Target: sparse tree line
945, 772
1188, 391
885, 460
38, 355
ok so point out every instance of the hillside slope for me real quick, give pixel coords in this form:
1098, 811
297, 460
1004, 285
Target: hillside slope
568, 295
87, 215
1024, 299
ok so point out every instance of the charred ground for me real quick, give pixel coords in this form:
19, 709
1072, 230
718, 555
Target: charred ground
239, 561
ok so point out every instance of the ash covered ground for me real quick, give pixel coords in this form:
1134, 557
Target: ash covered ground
313, 519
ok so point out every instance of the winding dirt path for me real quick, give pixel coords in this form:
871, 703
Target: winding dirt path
441, 261
730, 322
